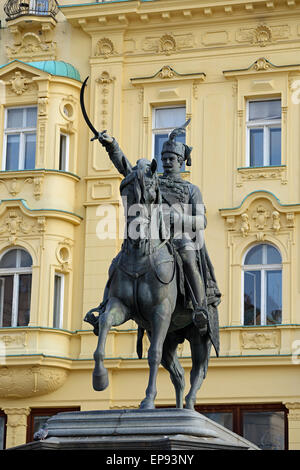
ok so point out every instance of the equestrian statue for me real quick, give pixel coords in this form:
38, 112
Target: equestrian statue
162, 278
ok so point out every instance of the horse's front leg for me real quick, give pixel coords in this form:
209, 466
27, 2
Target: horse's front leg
160, 321
116, 313
200, 350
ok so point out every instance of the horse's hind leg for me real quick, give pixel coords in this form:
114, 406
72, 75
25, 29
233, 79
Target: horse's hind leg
116, 313
171, 363
200, 350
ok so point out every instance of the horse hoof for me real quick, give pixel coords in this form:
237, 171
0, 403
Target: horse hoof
100, 382
147, 405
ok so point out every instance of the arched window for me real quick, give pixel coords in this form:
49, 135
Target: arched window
15, 288
262, 285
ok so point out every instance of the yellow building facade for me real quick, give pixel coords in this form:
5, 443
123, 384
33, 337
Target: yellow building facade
232, 67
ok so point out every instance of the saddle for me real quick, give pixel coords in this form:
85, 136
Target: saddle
162, 263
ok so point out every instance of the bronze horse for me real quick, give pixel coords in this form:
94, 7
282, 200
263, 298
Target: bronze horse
143, 287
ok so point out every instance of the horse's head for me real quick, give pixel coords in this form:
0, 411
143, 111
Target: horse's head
141, 199
141, 185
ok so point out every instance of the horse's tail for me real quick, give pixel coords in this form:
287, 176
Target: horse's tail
139, 343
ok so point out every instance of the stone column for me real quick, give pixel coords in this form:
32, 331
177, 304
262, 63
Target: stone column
294, 425
16, 426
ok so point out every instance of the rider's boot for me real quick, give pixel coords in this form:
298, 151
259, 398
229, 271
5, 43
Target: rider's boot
200, 320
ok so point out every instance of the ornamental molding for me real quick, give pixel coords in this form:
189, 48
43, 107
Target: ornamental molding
141, 14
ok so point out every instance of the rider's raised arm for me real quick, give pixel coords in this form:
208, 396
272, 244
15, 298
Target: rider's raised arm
116, 155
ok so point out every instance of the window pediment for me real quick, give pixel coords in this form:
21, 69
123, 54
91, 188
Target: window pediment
260, 213
260, 66
167, 74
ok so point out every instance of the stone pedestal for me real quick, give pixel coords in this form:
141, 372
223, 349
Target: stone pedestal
122, 430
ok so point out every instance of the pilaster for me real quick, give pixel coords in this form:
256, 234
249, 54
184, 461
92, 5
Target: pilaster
16, 426
294, 425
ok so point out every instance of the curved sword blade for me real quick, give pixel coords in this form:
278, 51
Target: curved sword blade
95, 132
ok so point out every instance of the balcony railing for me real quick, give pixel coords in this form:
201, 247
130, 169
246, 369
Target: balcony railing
16, 8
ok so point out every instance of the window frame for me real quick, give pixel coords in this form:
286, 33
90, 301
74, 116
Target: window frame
37, 412
163, 130
263, 268
265, 125
60, 315
67, 151
15, 272
22, 131
238, 410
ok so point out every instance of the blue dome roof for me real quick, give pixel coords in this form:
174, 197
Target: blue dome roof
57, 67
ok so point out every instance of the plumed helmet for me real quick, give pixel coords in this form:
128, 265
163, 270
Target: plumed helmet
182, 150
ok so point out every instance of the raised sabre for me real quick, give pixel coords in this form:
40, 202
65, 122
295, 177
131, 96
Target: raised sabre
95, 132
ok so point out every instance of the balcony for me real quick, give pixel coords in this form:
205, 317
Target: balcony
37, 8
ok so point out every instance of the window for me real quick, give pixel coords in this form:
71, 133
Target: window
15, 288
164, 121
38, 417
39, 6
58, 307
264, 425
264, 133
20, 138
262, 286
63, 152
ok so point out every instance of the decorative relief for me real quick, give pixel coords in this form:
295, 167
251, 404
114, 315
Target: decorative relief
63, 255
32, 46
67, 108
19, 82
260, 340
104, 48
16, 225
168, 43
262, 64
21, 382
260, 217
261, 173
105, 80
15, 185
263, 35
13, 340
42, 107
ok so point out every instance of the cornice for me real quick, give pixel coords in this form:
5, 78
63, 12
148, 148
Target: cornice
93, 17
